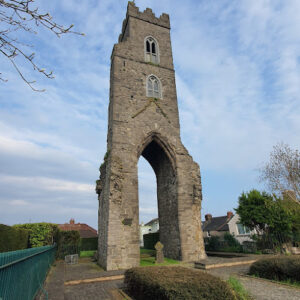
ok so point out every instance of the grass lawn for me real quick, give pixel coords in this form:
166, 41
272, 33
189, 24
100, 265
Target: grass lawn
148, 259
88, 253
147, 251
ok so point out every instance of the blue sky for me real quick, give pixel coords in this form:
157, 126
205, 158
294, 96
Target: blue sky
238, 84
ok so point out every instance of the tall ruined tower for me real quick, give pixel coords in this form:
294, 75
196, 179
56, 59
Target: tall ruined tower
143, 120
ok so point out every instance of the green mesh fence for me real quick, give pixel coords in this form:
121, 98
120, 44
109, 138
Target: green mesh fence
23, 272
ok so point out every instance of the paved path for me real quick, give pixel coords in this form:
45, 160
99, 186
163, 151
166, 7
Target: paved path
259, 289
61, 273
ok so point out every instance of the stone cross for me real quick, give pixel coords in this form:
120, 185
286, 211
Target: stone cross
159, 253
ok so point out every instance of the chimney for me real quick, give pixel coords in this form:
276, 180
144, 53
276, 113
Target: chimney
72, 221
229, 215
208, 217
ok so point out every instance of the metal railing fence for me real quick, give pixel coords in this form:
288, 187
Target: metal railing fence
23, 272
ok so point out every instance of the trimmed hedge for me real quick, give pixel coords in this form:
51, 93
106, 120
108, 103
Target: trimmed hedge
150, 239
228, 244
88, 244
40, 234
174, 283
277, 268
12, 239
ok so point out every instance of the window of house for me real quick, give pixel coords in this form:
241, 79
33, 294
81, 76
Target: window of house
153, 87
151, 50
243, 229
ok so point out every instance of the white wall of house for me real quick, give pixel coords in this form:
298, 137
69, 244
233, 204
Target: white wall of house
241, 233
155, 226
144, 229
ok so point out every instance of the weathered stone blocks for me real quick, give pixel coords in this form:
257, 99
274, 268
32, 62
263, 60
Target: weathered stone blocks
140, 125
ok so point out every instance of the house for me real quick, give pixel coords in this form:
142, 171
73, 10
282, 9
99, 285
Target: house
240, 232
150, 227
218, 226
85, 230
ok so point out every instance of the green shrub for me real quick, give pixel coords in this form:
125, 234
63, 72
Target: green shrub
68, 243
228, 244
12, 239
277, 268
172, 283
231, 243
150, 239
40, 234
213, 244
88, 244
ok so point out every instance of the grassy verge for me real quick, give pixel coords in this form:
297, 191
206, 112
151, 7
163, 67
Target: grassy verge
147, 251
150, 261
286, 282
291, 283
238, 288
88, 253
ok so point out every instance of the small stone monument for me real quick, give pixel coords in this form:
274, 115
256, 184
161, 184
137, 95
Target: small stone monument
71, 259
159, 253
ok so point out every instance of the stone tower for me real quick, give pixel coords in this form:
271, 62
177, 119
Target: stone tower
143, 120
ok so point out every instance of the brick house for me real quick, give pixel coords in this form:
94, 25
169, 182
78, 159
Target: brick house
85, 230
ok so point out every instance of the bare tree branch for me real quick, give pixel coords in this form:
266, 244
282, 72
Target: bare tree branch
21, 15
282, 172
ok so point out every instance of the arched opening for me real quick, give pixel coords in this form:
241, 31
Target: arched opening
148, 212
166, 181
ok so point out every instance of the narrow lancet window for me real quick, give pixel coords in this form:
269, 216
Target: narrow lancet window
153, 87
147, 46
151, 50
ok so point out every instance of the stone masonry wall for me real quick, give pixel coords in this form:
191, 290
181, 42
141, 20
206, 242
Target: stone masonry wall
139, 125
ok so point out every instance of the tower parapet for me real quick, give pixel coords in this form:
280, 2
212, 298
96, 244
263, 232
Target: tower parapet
147, 15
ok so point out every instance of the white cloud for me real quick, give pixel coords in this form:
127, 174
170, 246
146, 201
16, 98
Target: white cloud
238, 83
48, 184
18, 202
148, 210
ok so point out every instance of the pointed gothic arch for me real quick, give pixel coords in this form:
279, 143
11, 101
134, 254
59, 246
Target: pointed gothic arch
161, 158
151, 49
153, 87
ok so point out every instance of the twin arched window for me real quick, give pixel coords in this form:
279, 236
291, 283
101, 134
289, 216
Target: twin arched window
152, 55
151, 50
153, 87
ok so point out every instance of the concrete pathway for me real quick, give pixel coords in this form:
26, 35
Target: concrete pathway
86, 269
258, 288
106, 290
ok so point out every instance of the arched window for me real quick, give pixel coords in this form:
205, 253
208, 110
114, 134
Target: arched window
153, 87
151, 50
